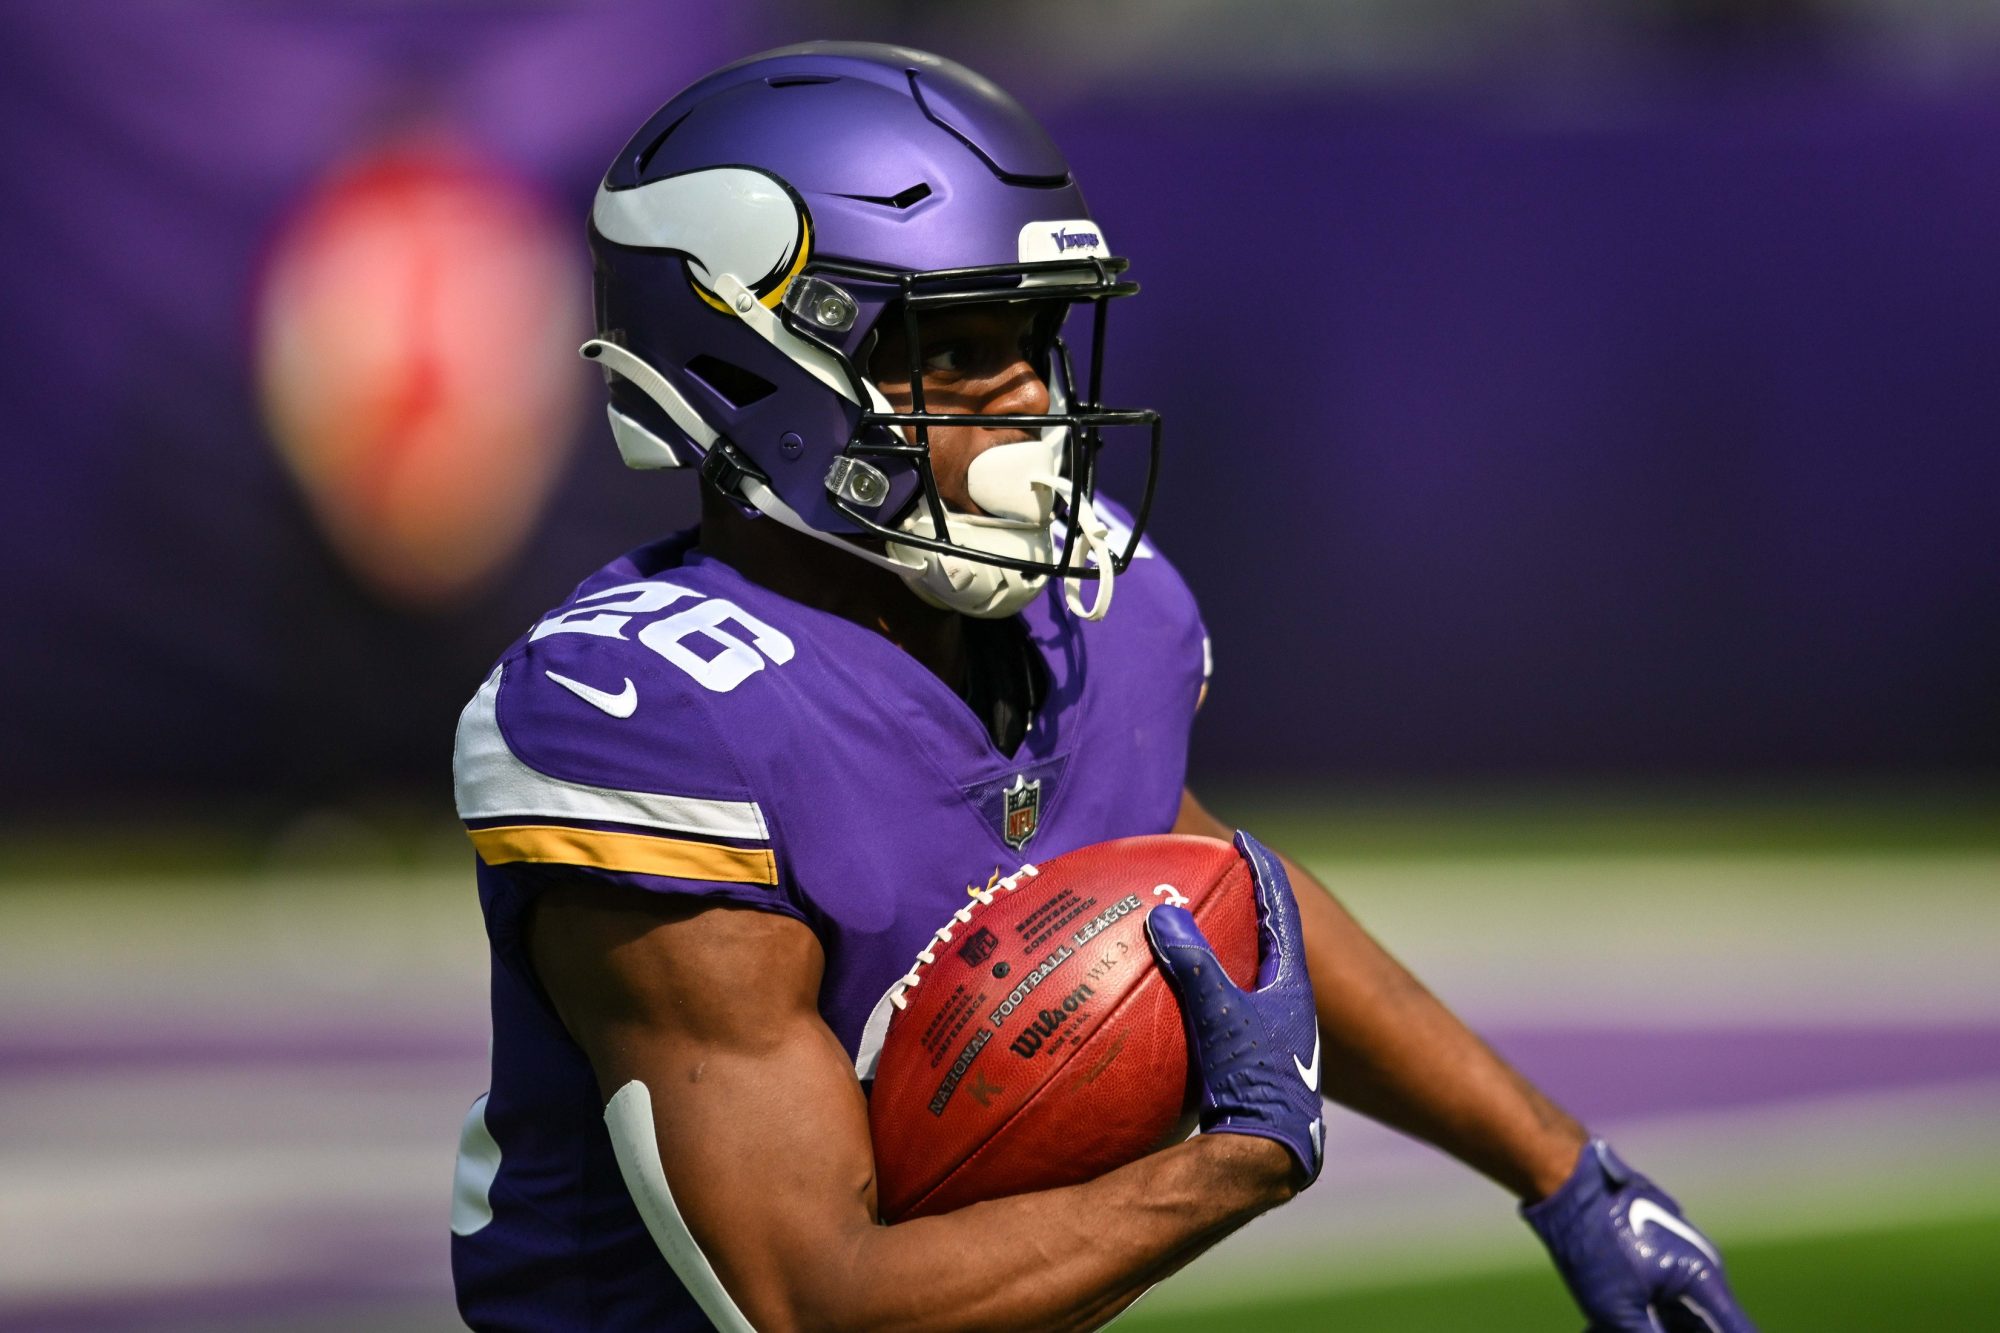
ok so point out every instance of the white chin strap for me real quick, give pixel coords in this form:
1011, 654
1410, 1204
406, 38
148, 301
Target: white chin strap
1016, 484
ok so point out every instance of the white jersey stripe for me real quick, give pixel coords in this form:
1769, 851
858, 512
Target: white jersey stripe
491, 782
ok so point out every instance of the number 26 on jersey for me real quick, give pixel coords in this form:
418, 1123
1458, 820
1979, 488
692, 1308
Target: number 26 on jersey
730, 659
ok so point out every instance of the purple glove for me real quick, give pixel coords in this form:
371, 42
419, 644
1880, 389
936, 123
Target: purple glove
1249, 1048
1632, 1262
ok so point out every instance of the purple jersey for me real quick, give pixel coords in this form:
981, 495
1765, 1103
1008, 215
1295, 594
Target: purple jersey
679, 729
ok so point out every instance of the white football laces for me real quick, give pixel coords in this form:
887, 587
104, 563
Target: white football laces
963, 916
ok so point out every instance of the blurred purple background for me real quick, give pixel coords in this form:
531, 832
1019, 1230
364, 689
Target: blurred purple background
1617, 400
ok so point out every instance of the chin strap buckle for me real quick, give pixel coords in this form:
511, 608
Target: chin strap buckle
725, 467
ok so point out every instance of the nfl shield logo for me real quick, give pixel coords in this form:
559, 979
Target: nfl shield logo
979, 948
1022, 812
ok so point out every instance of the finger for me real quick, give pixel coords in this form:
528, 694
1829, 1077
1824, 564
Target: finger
1692, 1316
1174, 935
1277, 912
1183, 952
1673, 1317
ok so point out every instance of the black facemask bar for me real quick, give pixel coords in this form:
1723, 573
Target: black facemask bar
1084, 280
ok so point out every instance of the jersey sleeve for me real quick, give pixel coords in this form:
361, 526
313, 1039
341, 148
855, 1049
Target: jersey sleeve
612, 773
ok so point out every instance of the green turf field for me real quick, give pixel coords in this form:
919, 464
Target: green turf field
1939, 1277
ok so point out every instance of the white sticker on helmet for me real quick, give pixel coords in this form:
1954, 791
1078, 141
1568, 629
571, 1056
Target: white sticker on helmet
1079, 238
639, 447
725, 219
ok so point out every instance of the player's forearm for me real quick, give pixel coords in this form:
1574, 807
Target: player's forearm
1396, 1054
1060, 1259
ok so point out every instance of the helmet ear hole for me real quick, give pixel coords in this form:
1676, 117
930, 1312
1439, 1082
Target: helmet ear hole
732, 384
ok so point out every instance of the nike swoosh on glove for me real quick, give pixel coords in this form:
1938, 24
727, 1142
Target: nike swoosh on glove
1633, 1263
1250, 1048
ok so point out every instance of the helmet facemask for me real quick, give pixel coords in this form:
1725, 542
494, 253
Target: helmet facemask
1037, 518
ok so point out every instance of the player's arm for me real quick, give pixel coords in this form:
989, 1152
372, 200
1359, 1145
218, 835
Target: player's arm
1394, 1052
763, 1134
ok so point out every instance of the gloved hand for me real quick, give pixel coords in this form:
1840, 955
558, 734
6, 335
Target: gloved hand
1632, 1262
1249, 1048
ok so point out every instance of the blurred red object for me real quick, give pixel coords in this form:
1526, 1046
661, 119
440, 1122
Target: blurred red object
416, 328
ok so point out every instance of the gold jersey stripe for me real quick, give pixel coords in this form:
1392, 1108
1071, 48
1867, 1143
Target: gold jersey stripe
635, 853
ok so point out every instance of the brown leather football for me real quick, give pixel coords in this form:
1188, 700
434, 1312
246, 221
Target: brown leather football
1035, 1043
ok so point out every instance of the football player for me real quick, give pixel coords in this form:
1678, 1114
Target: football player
724, 793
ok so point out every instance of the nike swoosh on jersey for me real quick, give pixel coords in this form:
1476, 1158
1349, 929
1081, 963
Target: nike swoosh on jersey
1644, 1213
1309, 1072
622, 704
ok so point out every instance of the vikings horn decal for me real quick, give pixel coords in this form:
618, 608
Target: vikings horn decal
764, 242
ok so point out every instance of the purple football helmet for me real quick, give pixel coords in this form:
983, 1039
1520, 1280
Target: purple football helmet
751, 238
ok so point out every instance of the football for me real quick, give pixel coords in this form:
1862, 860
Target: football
1035, 1043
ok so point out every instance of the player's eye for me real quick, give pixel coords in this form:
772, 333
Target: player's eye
947, 358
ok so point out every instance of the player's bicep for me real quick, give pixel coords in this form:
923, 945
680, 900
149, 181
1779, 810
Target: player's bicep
761, 1128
